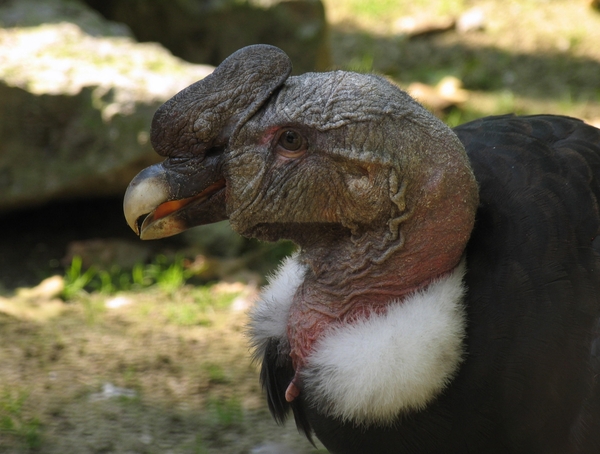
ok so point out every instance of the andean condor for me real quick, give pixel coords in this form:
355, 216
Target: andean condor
440, 301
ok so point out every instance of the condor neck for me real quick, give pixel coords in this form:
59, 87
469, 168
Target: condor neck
373, 270
422, 240
351, 279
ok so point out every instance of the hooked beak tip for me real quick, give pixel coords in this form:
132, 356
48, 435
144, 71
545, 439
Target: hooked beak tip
145, 192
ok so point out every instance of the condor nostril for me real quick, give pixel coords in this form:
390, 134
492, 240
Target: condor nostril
214, 151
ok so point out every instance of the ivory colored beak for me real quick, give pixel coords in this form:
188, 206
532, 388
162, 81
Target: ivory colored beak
148, 190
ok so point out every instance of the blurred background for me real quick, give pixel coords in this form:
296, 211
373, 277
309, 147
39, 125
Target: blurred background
114, 345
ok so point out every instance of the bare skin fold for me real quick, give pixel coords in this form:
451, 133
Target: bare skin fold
441, 275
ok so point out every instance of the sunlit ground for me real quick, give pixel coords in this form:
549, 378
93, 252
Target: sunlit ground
528, 56
154, 359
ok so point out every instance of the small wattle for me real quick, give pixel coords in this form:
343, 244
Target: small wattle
308, 322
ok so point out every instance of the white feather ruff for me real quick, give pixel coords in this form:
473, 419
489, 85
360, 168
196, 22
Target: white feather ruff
269, 317
370, 371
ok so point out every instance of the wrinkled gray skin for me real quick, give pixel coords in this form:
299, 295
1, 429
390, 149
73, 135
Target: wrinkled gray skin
374, 156
380, 196
381, 199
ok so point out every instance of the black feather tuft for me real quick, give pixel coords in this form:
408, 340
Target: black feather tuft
302, 421
275, 375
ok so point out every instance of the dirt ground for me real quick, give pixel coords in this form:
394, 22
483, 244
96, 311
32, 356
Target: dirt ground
143, 372
155, 370
151, 370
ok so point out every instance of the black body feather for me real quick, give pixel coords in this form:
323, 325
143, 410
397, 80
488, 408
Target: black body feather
531, 380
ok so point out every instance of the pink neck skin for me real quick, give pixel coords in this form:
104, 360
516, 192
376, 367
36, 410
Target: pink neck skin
433, 246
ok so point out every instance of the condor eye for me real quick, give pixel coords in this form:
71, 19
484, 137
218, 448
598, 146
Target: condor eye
290, 144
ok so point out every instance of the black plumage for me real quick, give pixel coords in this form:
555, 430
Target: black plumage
386, 206
531, 380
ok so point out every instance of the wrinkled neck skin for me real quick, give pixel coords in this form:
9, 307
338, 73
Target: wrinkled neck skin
350, 277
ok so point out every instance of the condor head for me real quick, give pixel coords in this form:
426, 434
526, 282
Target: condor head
320, 159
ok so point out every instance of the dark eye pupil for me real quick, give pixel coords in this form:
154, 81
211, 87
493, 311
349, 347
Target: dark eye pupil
291, 140
290, 137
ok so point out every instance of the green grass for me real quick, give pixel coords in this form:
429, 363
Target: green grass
14, 425
197, 446
225, 412
179, 346
384, 9
361, 64
371, 9
532, 57
93, 309
200, 309
216, 373
76, 279
186, 314
167, 274
195, 307
206, 298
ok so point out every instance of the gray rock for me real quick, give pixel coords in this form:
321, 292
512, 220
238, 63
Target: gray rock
29, 13
208, 31
77, 96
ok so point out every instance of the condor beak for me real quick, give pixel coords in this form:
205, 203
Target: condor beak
146, 192
168, 198
154, 210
